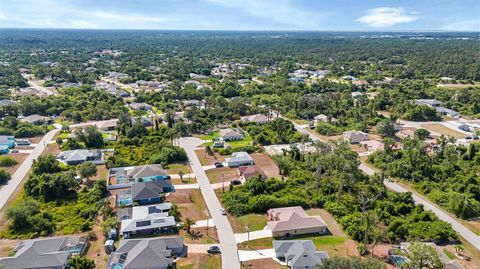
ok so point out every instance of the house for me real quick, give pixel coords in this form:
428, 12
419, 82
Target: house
4, 149
140, 106
240, 158
243, 82
144, 120
286, 221
297, 80
123, 177
78, 156
108, 125
48, 253
7, 141
138, 212
37, 119
360, 82
257, 118
230, 134
407, 133
446, 112
116, 75
158, 253
354, 137
156, 223
428, 102
299, 254
150, 192
323, 118
7, 102
356, 94
372, 145
466, 128
247, 172
447, 262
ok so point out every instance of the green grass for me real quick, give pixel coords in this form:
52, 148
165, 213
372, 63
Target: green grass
254, 222
246, 141
449, 254
175, 168
206, 261
262, 243
157, 111
209, 137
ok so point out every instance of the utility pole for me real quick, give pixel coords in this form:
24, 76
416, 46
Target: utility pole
248, 235
223, 182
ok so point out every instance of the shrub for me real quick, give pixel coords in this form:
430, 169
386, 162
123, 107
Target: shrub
6, 161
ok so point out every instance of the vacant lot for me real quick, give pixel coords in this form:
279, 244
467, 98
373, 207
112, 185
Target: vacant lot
190, 203
262, 264
200, 236
254, 222
19, 157
266, 164
176, 168
439, 128
200, 261
206, 159
216, 175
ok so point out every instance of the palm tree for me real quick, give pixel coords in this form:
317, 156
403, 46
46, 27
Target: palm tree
187, 224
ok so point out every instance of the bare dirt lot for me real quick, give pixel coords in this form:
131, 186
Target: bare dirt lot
443, 130
206, 159
226, 174
266, 164
190, 203
200, 261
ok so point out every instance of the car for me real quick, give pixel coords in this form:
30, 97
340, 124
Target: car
222, 211
236, 182
213, 249
14, 151
218, 165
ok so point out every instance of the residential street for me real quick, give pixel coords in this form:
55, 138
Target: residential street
7, 190
461, 229
228, 244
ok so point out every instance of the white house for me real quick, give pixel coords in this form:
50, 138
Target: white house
240, 158
230, 134
354, 137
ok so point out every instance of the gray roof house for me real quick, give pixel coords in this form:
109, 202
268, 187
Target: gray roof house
158, 253
299, 254
353, 137
140, 106
149, 224
49, 253
257, 118
7, 102
149, 192
78, 156
229, 134
239, 159
37, 119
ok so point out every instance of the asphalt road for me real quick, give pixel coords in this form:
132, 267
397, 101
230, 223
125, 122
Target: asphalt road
7, 190
228, 244
461, 229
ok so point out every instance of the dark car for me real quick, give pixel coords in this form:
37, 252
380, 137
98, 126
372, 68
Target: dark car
235, 182
218, 164
213, 249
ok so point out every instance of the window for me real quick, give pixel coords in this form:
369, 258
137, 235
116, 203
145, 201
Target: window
143, 223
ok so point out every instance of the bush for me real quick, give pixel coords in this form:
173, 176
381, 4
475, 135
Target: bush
4, 176
325, 128
6, 161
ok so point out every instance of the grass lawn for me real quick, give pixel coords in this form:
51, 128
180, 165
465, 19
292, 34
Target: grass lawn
255, 222
263, 264
199, 236
102, 173
200, 261
156, 110
216, 175
262, 243
190, 203
175, 168
190, 180
210, 136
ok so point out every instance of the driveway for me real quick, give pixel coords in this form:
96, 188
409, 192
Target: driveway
228, 245
463, 231
247, 255
244, 237
7, 190
199, 248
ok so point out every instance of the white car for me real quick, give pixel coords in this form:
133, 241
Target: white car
222, 211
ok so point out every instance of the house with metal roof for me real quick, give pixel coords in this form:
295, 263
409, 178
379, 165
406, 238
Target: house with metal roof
78, 156
158, 253
239, 159
286, 221
46, 253
299, 254
7, 141
138, 212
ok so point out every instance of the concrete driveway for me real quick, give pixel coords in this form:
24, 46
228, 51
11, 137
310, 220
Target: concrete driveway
228, 244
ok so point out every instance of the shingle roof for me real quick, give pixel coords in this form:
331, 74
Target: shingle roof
240, 156
299, 253
148, 170
291, 218
150, 189
228, 132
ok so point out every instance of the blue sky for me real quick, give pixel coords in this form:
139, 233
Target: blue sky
457, 15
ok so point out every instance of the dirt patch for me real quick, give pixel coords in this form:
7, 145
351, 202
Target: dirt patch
52, 149
190, 203
262, 264
439, 128
332, 225
6, 246
266, 164
95, 250
217, 175
102, 173
200, 236
36, 139
206, 159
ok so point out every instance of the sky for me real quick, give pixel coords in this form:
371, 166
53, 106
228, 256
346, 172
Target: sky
277, 15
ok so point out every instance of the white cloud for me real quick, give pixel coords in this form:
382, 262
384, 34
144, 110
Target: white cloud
386, 16
462, 25
286, 12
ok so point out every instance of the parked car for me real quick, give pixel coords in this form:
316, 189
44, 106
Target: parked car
218, 165
14, 151
213, 249
311, 125
236, 182
222, 211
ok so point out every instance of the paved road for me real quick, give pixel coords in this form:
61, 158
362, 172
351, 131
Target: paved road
17, 177
466, 233
228, 244
96, 123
